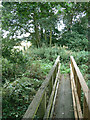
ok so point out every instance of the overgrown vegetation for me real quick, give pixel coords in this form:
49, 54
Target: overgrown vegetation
23, 71
21, 81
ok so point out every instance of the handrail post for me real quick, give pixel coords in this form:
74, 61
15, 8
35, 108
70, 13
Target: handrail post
73, 92
79, 89
85, 109
52, 80
50, 86
42, 107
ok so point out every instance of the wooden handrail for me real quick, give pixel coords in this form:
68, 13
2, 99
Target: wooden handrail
50, 107
78, 83
38, 105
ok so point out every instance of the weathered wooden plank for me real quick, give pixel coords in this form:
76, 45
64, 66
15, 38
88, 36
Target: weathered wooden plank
74, 102
52, 80
79, 89
85, 109
54, 100
64, 103
47, 114
81, 80
50, 87
89, 104
77, 101
77, 106
51, 115
33, 107
42, 107
76, 98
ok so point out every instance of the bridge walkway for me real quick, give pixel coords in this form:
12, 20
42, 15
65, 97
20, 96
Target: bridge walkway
64, 102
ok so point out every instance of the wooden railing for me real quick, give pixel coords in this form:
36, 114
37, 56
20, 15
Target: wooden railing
43, 103
79, 85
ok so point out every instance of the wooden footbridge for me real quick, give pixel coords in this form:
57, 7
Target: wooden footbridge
60, 95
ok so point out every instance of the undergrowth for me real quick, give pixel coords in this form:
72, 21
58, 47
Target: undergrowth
22, 80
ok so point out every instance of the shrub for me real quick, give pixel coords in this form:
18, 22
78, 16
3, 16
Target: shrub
10, 71
81, 57
15, 66
18, 57
74, 41
18, 95
7, 69
22, 90
64, 68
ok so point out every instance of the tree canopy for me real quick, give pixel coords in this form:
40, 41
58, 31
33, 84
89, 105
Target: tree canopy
40, 23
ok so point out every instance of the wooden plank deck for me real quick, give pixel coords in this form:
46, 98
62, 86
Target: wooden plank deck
64, 102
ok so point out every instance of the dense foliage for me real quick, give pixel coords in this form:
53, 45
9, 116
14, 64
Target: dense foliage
21, 84
23, 71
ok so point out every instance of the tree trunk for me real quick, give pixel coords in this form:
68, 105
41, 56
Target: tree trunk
50, 37
41, 37
70, 17
41, 33
37, 37
45, 36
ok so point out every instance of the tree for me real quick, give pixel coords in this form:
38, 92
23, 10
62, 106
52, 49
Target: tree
21, 17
